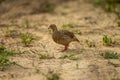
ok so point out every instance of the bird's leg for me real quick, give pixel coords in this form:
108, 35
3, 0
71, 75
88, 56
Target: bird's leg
66, 47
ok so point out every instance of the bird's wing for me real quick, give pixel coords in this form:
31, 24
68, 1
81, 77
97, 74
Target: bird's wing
61, 37
67, 33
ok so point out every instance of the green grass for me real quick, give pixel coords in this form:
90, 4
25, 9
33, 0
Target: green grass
107, 41
118, 23
26, 24
6, 52
77, 66
53, 76
69, 56
2, 48
4, 57
78, 32
37, 70
111, 55
90, 43
108, 5
43, 55
11, 33
67, 26
4, 62
27, 39
115, 79
47, 6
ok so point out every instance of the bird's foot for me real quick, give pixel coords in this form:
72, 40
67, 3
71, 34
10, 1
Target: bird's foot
66, 47
64, 50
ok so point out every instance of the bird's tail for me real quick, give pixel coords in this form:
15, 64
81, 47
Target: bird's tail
75, 39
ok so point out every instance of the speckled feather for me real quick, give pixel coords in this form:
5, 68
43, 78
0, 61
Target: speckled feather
63, 37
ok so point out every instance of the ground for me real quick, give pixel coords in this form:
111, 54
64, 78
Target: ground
92, 22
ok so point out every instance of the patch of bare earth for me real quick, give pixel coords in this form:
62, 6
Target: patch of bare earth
91, 21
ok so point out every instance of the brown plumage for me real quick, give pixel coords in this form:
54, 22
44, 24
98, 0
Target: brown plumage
63, 37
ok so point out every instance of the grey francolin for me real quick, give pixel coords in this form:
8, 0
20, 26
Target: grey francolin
63, 37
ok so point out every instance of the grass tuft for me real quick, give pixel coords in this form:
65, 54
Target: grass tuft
118, 23
90, 43
27, 39
53, 76
42, 56
47, 6
4, 62
68, 26
45, 56
108, 5
70, 56
4, 57
111, 55
78, 32
107, 41
11, 33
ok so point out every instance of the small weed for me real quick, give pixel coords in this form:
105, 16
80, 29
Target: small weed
63, 13
115, 79
2, 48
4, 57
68, 26
26, 24
5, 52
107, 41
43, 56
37, 70
118, 23
13, 22
47, 6
53, 76
108, 5
4, 62
45, 49
11, 33
78, 32
77, 66
71, 57
90, 43
111, 55
27, 39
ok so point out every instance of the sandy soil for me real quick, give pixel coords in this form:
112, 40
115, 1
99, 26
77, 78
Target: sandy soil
91, 21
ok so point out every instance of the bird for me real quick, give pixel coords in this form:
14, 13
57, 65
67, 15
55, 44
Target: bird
63, 37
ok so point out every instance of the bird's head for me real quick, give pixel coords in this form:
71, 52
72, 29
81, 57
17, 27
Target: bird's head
53, 27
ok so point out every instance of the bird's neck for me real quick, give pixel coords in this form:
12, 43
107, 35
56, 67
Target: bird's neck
55, 29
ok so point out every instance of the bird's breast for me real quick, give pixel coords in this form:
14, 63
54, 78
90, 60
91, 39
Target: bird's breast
56, 37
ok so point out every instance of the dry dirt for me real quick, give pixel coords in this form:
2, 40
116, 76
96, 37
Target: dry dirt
91, 21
